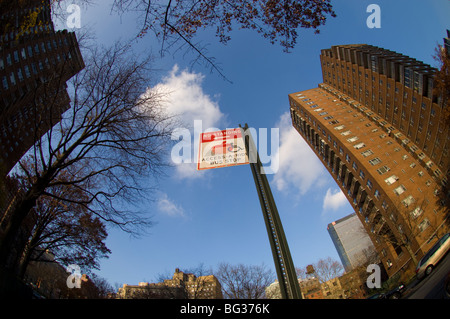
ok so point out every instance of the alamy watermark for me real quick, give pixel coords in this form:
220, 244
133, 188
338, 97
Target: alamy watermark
74, 18
374, 279
73, 280
185, 151
374, 19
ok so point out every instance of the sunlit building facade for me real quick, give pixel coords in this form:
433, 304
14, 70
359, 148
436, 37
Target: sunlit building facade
375, 125
181, 286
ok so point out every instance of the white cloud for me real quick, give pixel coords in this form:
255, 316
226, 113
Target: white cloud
168, 207
333, 200
186, 98
195, 110
299, 168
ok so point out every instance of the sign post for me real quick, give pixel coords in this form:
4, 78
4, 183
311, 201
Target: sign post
287, 277
235, 147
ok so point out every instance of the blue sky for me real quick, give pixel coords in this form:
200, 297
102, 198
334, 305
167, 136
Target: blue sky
214, 216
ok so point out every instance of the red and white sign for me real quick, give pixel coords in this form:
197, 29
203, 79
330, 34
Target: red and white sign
221, 149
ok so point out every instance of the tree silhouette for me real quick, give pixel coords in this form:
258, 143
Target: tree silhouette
176, 22
111, 140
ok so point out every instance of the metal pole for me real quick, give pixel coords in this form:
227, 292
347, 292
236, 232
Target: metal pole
284, 266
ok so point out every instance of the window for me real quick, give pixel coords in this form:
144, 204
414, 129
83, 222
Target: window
377, 194
12, 78
355, 166
375, 161
416, 212
382, 170
367, 153
27, 71
369, 184
424, 224
346, 133
400, 190
359, 146
20, 74
16, 56
340, 127
352, 139
391, 180
5, 83
389, 263
33, 67
361, 174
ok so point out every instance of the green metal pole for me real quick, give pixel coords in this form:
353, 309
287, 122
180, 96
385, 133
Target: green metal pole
284, 266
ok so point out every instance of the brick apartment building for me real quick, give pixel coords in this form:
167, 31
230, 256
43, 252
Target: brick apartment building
181, 286
312, 288
375, 125
35, 63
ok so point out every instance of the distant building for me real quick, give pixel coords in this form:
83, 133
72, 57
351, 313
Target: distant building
332, 289
352, 242
181, 286
311, 288
273, 291
354, 285
35, 63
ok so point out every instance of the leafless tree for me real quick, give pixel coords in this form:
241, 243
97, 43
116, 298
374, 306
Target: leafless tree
327, 269
70, 232
411, 219
244, 281
324, 270
103, 287
107, 145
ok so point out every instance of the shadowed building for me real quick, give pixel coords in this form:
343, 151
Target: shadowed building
35, 63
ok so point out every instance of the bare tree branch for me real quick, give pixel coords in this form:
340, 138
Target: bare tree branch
107, 146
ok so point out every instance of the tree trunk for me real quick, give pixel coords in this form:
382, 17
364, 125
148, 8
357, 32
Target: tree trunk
411, 253
19, 213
